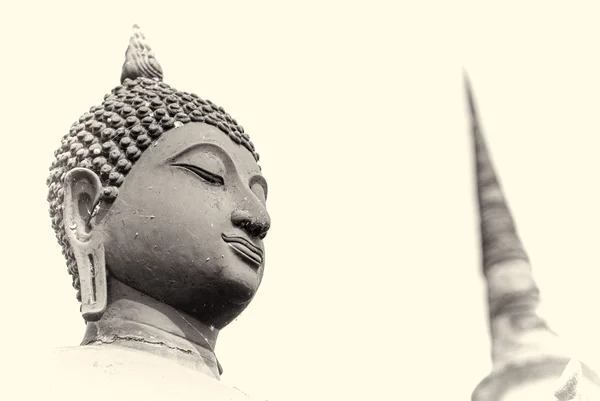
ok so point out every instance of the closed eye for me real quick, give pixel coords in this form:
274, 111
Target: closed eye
205, 175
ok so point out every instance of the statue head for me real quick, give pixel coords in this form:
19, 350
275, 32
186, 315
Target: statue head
161, 191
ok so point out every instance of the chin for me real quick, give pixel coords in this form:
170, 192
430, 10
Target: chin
241, 288
219, 308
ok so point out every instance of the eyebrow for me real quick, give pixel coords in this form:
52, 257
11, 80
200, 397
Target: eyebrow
259, 179
196, 147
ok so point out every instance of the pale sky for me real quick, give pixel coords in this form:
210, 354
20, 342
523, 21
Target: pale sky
372, 286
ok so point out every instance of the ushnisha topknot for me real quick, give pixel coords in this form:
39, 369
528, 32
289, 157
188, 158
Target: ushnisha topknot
111, 137
140, 60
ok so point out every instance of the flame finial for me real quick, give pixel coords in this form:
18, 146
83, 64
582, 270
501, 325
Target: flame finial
139, 59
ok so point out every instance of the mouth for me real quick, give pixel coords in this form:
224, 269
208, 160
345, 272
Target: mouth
245, 249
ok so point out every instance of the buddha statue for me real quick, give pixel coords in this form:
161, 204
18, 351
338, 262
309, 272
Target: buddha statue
528, 357
159, 204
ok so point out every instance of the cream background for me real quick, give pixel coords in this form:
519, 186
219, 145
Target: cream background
372, 288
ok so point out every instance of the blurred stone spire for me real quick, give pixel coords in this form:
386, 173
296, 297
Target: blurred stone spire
499, 239
527, 356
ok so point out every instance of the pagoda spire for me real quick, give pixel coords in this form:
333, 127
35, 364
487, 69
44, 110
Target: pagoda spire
499, 239
526, 353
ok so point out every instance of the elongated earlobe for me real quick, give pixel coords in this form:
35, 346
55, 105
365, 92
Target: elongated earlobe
82, 195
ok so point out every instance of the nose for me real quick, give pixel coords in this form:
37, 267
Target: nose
254, 224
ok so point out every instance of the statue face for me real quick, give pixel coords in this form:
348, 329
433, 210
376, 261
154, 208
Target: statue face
187, 225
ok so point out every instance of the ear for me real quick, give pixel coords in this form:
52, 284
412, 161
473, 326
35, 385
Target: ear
569, 388
82, 194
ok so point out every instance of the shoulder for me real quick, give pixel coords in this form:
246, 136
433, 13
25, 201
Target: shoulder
99, 373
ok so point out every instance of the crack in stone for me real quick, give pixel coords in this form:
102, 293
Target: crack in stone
141, 340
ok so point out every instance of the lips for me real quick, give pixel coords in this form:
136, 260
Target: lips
245, 249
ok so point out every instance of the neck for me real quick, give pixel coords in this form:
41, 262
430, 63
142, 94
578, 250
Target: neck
137, 321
